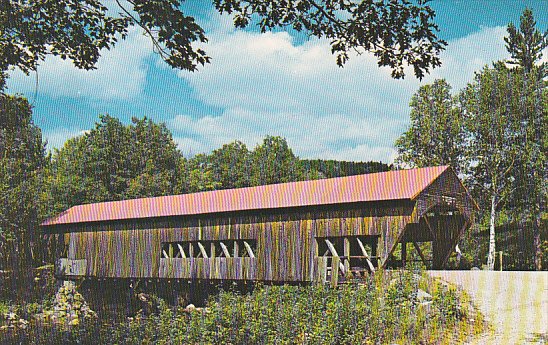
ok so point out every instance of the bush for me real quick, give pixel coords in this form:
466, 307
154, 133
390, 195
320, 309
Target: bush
384, 309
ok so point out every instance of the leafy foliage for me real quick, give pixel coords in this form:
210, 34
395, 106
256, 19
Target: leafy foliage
525, 44
491, 106
72, 29
436, 135
385, 309
398, 33
115, 162
274, 162
231, 165
200, 175
333, 168
22, 165
528, 201
493, 132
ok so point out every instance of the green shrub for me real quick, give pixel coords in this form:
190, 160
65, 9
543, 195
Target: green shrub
384, 309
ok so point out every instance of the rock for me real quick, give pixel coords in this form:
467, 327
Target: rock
69, 307
191, 308
147, 304
423, 296
23, 323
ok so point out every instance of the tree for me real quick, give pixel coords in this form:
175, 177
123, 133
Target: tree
526, 44
154, 157
274, 162
321, 168
22, 164
115, 162
231, 165
397, 32
529, 199
525, 47
490, 105
198, 175
436, 134
492, 132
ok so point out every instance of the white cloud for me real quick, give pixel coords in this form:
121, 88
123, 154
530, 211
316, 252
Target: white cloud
57, 137
469, 54
120, 74
268, 84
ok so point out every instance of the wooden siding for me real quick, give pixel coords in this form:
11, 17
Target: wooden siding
446, 190
449, 212
286, 242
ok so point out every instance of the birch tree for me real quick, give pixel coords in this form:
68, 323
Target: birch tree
490, 106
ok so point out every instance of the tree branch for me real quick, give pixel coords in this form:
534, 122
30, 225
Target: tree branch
161, 51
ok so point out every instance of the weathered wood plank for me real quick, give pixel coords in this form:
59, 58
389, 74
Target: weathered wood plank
249, 250
335, 255
334, 271
286, 247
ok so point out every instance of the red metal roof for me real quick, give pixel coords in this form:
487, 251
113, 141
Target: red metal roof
391, 185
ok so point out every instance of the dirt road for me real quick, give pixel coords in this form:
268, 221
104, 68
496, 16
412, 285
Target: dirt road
515, 303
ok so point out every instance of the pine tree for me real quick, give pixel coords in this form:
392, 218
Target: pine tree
526, 44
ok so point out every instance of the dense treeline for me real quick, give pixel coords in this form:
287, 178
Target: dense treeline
493, 133
114, 161
23, 169
332, 168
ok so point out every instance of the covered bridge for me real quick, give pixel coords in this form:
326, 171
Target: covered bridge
326, 230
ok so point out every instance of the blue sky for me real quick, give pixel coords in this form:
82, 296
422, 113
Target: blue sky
266, 84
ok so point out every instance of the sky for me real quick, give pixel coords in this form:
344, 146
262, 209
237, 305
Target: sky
260, 84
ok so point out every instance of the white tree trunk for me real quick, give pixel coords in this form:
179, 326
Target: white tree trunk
491, 256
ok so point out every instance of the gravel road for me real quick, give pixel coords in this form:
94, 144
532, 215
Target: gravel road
515, 303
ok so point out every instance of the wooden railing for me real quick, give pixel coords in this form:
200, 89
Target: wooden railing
337, 269
218, 268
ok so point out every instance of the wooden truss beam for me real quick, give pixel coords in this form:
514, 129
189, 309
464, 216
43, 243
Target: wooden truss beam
455, 241
202, 250
364, 252
429, 227
418, 249
334, 253
249, 250
181, 251
224, 249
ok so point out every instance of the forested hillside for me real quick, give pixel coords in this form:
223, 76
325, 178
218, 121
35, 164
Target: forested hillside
114, 161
